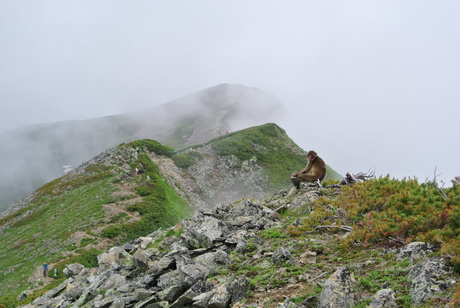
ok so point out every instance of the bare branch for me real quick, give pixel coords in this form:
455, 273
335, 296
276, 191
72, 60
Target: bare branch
351, 178
344, 228
317, 277
397, 240
434, 183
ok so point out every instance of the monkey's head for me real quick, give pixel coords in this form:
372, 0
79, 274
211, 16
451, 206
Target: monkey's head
311, 155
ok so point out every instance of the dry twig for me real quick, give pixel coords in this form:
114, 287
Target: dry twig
344, 228
317, 277
351, 179
434, 183
397, 240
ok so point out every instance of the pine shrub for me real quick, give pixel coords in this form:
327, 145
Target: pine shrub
386, 211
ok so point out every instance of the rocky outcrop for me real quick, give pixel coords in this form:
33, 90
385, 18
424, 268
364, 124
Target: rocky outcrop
426, 279
337, 291
192, 269
427, 274
168, 271
216, 179
383, 298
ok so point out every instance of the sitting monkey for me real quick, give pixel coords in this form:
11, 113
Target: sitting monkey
314, 171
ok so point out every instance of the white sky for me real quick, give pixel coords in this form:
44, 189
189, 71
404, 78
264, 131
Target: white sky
367, 84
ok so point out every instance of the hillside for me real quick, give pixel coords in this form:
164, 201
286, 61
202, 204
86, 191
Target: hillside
34, 155
77, 216
335, 246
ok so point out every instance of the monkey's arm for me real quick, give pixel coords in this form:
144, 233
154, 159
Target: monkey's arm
307, 169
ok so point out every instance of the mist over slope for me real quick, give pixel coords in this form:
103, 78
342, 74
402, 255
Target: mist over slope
98, 204
131, 241
33, 155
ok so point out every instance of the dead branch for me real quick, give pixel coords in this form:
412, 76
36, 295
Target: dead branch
434, 183
317, 277
397, 240
351, 178
344, 228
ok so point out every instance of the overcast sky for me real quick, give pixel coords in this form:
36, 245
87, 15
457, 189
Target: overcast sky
367, 84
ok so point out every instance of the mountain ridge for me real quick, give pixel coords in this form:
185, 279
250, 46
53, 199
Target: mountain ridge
98, 203
268, 253
34, 155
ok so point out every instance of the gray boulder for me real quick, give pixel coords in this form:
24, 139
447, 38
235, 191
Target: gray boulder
415, 251
281, 255
214, 260
73, 269
383, 298
223, 295
172, 273
337, 292
426, 279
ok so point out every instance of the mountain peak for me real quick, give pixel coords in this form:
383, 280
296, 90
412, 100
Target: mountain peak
32, 156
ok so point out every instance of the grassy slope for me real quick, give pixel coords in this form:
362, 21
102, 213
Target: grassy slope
41, 235
75, 203
70, 204
274, 150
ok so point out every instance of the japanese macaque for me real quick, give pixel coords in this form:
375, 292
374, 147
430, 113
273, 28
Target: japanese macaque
314, 171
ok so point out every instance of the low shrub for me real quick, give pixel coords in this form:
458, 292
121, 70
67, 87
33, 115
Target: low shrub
385, 211
153, 146
112, 231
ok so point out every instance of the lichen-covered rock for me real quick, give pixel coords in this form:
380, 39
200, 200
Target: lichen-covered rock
73, 269
201, 231
426, 279
281, 255
383, 298
214, 260
337, 292
114, 258
415, 251
187, 297
140, 260
223, 295
308, 257
288, 304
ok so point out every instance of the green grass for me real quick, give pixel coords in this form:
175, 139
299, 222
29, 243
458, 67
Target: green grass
41, 235
152, 146
274, 150
40, 232
159, 207
185, 160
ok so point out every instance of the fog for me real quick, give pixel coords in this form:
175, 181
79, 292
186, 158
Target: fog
40, 153
369, 85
